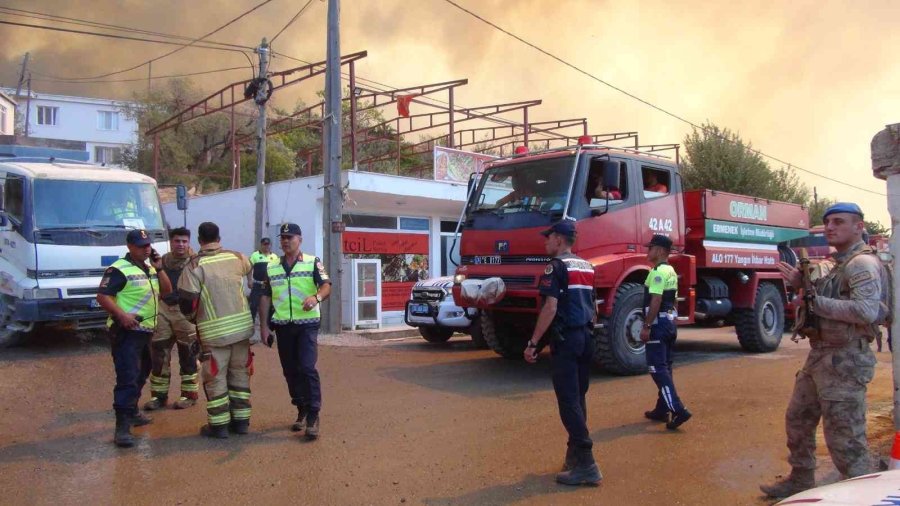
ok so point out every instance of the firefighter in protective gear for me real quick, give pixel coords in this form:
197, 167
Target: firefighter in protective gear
296, 285
567, 317
849, 302
210, 290
659, 332
174, 329
129, 292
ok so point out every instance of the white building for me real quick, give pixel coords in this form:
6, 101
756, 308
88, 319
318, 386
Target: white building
7, 114
404, 225
100, 123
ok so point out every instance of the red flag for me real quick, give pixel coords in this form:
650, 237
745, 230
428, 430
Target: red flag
403, 104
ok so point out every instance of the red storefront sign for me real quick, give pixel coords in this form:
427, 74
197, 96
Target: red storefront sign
356, 243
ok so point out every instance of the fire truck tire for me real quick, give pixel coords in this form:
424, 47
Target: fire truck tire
477, 333
617, 346
10, 337
436, 334
500, 338
760, 329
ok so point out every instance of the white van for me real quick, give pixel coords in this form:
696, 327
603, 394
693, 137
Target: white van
61, 225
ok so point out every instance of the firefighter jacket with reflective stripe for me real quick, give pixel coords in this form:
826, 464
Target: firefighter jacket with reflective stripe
216, 276
290, 290
139, 296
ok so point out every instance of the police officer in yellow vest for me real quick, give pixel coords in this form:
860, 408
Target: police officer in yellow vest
129, 292
259, 261
296, 284
210, 292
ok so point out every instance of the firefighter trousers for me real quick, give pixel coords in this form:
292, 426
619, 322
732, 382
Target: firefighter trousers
173, 329
226, 381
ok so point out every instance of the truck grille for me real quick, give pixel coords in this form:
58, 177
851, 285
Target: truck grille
428, 295
81, 291
511, 280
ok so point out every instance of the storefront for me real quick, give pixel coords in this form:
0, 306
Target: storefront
399, 230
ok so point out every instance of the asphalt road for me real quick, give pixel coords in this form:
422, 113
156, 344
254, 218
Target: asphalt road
404, 422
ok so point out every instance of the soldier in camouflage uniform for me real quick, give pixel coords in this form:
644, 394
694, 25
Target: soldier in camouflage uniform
848, 303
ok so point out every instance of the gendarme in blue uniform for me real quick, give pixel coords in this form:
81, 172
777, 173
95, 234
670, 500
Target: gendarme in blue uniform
570, 280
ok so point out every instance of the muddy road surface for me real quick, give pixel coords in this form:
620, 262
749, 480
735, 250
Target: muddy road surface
404, 423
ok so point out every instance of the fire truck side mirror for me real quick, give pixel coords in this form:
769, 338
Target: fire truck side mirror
611, 174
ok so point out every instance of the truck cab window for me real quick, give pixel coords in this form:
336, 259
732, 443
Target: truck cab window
657, 183
13, 197
597, 191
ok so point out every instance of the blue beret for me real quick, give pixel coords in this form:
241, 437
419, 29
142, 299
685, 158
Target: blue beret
843, 207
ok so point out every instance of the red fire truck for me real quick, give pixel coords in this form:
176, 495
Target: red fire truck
727, 247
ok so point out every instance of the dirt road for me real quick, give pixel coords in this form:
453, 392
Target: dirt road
404, 422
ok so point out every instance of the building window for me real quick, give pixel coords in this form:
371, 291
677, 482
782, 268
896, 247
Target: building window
105, 155
47, 115
3, 117
418, 224
107, 120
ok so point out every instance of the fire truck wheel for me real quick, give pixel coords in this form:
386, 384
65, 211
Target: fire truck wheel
9, 337
617, 346
760, 329
436, 334
477, 333
501, 337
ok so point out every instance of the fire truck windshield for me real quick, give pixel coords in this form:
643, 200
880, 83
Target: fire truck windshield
540, 186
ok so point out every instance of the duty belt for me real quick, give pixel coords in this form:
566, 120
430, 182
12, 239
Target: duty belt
255, 282
819, 344
667, 315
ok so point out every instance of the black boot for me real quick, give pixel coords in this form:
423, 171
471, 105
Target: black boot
570, 461
239, 426
139, 419
585, 471
312, 428
214, 431
300, 424
123, 437
678, 419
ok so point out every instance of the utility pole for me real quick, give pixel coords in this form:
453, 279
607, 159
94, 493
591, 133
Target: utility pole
261, 98
28, 105
815, 197
22, 74
332, 156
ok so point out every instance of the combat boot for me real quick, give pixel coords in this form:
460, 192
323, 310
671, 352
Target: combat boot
300, 424
123, 437
678, 419
796, 482
184, 403
155, 403
312, 429
139, 419
214, 431
570, 461
239, 426
585, 471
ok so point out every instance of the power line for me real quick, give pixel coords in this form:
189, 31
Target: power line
51, 79
289, 23
96, 24
641, 100
182, 46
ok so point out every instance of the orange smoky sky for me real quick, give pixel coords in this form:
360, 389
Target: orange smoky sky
807, 81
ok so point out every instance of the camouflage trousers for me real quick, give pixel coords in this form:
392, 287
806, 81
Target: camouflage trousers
832, 386
226, 381
173, 329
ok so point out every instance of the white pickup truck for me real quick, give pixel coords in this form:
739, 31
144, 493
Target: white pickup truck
432, 310
61, 225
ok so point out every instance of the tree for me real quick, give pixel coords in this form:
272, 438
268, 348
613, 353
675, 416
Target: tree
876, 228
817, 209
718, 159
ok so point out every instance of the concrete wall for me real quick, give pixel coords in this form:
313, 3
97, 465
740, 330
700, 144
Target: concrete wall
7, 120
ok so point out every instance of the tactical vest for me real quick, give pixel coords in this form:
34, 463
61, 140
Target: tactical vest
129, 210
260, 262
662, 276
575, 307
836, 285
173, 268
290, 290
139, 295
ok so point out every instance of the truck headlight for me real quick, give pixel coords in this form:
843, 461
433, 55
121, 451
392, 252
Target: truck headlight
448, 290
458, 279
41, 293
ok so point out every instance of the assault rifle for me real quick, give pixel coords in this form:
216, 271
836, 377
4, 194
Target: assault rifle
805, 325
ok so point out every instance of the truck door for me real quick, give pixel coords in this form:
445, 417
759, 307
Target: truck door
660, 209
611, 215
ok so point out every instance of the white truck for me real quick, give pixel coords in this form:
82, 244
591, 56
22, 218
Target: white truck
432, 310
61, 225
